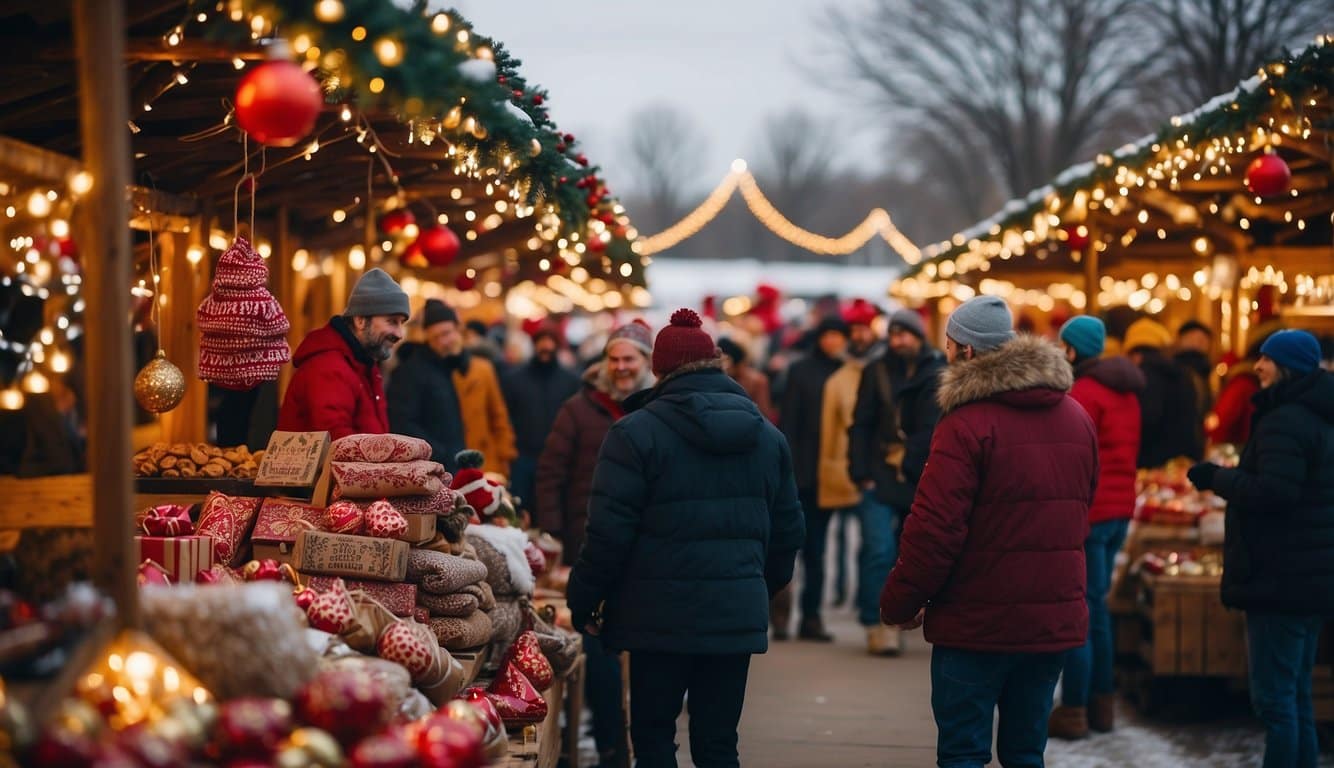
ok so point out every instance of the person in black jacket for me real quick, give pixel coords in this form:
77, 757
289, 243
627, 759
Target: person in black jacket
1167, 402
800, 420
421, 396
534, 393
693, 525
1278, 551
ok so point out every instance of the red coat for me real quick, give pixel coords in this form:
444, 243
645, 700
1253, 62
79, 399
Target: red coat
1108, 389
994, 547
334, 388
1234, 408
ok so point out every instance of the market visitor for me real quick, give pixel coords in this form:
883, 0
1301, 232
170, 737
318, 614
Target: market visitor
992, 556
1108, 389
736, 361
799, 418
337, 385
890, 436
1194, 343
441, 387
1279, 539
1167, 402
1233, 413
564, 484
534, 392
694, 523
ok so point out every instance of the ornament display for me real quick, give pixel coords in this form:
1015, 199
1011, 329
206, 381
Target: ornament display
396, 221
439, 246
345, 701
1268, 176
277, 103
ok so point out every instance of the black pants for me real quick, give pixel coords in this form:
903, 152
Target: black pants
602, 689
812, 555
717, 689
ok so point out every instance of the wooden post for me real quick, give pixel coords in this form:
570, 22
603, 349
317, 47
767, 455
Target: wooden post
281, 278
1091, 276
99, 32
187, 422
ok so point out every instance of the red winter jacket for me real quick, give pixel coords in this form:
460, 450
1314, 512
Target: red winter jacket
1108, 389
994, 547
334, 388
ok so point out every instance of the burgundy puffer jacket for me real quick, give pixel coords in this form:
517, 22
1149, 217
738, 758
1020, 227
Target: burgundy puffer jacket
335, 388
1109, 388
994, 547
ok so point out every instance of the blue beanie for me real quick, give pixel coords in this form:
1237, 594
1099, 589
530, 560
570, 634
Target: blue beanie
1297, 351
1086, 334
983, 323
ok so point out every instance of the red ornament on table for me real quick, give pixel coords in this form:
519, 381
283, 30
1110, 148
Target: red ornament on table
331, 611
525, 654
447, 743
277, 103
253, 726
383, 521
1077, 237
396, 221
344, 517
1268, 176
486, 709
348, 703
517, 701
438, 245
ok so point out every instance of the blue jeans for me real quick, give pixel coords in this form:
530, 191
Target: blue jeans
966, 689
1282, 652
1088, 670
878, 553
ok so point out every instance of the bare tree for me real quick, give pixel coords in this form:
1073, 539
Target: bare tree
1015, 89
664, 152
1208, 46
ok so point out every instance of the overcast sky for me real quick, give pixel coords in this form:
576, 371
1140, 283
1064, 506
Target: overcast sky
727, 63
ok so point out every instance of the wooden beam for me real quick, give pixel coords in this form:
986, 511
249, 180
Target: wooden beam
156, 49
24, 159
103, 95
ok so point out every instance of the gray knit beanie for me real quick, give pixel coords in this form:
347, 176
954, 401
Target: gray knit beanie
376, 294
983, 323
909, 321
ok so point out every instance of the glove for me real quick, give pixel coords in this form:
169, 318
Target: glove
1202, 475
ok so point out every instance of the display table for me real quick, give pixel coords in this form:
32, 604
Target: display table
1186, 630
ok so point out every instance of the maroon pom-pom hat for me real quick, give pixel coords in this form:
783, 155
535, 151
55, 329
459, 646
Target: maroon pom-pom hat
682, 342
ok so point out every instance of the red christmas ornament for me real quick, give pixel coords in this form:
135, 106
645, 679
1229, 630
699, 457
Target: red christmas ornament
252, 727
396, 221
349, 703
439, 246
465, 283
517, 701
619, 232
502, 79
581, 159
526, 654
277, 103
560, 147
569, 138
1077, 237
478, 699
68, 247
447, 743
606, 217
518, 94
1268, 176
596, 245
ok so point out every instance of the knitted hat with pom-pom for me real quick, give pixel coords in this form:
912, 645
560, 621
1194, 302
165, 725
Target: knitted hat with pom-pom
480, 493
682, 342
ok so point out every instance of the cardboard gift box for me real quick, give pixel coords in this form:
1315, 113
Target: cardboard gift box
180, 556
421, 528
399, 598
278, 525
358, 557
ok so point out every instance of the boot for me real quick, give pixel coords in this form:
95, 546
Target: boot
1069, 723
1102, 712
813, 629
884, 641
780, 613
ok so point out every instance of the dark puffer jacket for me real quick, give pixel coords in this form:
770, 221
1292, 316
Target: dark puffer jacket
1108, 388
694, 522
1278, 555
799, 415
534, 392
1167, 412
994, 547
896, 404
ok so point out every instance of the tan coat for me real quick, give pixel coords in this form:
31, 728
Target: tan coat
836, 489
486, 421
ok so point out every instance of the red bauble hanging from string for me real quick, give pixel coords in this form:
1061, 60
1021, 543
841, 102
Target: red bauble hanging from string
277, 103
396, 221
465, 282
439, 245
1077, 237
1268, 176
596, 244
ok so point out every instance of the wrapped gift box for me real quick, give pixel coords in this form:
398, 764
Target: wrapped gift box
358, 557
279, 524
421, 528
399, 598
180, 556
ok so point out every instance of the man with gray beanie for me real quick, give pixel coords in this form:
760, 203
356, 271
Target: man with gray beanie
992, 556
890, 437
337, 386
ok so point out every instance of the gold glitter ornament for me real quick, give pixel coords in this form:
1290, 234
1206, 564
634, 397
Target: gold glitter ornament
160, 385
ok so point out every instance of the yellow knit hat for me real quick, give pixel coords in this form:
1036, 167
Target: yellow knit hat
1147, 332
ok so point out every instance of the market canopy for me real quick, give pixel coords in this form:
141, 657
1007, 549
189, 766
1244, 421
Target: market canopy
1208, 195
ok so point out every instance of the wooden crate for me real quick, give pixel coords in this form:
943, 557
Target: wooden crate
1186, 630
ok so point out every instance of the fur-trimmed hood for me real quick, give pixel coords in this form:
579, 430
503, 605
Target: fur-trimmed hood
1024, 364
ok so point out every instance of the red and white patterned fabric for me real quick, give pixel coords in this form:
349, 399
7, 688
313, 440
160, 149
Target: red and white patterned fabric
526, 655
364, 480
282, 521
398, 598
482, 494
380, 449
403, 644
385, 522
228, 520
344, 517
332, 611
243, 329
517, 701
438, 503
